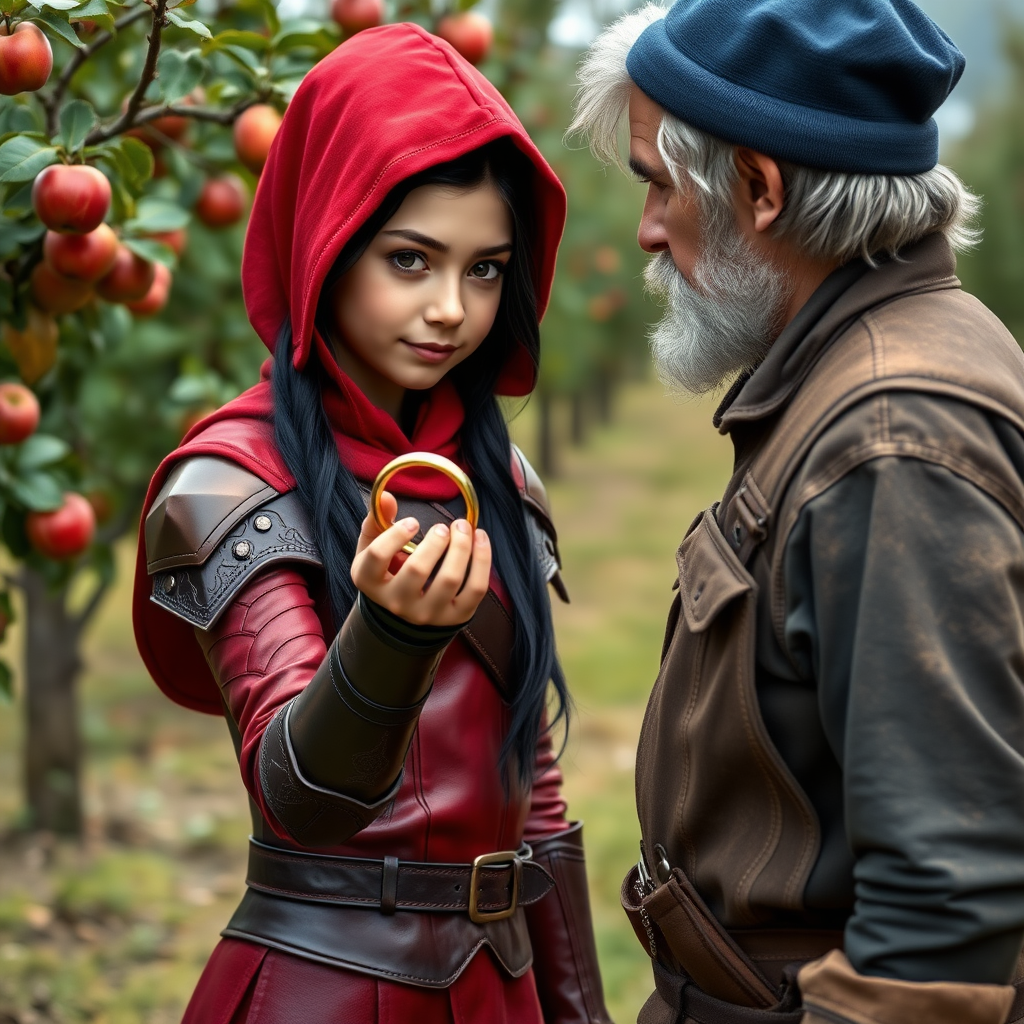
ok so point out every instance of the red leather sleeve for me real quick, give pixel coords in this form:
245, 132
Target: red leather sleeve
264, 650
547, 807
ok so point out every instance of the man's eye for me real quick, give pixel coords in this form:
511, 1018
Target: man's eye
486, 271
409, 261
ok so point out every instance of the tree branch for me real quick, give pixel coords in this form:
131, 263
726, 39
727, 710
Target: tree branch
127, 119
51, 103
81, 620
211, 114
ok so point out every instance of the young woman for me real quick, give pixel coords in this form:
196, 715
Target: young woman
410, 856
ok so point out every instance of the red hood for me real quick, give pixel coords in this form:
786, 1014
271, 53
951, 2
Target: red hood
400, 100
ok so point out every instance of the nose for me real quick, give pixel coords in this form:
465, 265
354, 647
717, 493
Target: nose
651, 236
445, 308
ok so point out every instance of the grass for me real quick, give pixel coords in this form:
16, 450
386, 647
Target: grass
116, 931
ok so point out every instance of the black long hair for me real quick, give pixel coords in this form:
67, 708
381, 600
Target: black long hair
330, 493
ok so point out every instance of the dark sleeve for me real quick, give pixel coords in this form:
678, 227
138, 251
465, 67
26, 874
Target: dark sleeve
324, 728
905, 603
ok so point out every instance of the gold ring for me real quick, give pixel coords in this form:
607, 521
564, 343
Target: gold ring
424, 460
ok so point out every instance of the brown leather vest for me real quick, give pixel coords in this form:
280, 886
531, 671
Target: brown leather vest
712, 790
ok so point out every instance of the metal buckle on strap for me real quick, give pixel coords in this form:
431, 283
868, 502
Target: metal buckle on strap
501, 857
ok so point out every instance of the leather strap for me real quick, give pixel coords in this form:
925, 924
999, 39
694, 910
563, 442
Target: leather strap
401, 885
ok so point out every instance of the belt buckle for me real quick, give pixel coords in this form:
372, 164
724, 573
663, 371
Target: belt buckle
501, 857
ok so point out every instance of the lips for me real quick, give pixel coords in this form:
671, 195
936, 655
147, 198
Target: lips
430, 352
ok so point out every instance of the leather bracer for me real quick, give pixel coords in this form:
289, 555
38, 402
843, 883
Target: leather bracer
334, 749
834, 993
564, 955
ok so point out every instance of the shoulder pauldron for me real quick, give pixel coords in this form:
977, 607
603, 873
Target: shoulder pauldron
539, 522
212, 526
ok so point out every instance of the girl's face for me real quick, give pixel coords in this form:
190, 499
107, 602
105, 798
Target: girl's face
424, 295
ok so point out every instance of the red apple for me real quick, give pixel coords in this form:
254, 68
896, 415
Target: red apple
222, 201
25, 59
19, 413
81, 257
56, 294
65, 532
174, 240
355, 15
156, 298
129, 279
254, 132
171, 125
71, 198
470, 33
34, 346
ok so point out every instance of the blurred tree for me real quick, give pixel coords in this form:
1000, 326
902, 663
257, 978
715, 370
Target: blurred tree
148, 94
594, 329
991, 162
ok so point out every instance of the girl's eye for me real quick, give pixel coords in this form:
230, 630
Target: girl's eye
487, 271
408, 261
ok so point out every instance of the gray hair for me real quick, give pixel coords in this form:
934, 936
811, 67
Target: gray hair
832, 215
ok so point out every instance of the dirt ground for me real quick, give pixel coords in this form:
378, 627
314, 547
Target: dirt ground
116, 930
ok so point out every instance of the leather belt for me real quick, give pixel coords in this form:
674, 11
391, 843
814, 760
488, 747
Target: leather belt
489, 889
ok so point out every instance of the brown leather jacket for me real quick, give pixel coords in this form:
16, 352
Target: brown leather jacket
837, 734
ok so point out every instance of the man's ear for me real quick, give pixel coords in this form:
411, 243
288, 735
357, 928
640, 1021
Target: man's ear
760, 192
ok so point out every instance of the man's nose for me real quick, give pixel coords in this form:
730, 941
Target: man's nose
446, 308
651, 236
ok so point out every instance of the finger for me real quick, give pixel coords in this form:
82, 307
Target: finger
411, 580
465, 604
370, 530
370, 566
451, 574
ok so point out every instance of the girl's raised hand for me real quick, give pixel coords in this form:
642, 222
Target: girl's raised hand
410, 593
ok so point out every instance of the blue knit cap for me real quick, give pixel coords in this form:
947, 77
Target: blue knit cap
842, 85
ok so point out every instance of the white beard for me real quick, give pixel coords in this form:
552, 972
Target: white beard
724, 322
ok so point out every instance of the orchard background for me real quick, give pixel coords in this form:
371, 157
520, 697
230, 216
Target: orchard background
122, 820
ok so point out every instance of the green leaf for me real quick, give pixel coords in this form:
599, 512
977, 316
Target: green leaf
269, 12
193, 390
188, 23
245, 58
38, 492
179, 72
23, 157
150, 249
41, 450
155, 215
302, 33
139, 158
17, 118
77, 119
58, 23
95, 10
6, 683
17, 234
236, 37
57, 5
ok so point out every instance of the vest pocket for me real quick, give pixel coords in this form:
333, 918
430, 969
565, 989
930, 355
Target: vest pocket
710, 574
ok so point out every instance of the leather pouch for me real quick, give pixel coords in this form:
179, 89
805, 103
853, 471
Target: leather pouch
677, 929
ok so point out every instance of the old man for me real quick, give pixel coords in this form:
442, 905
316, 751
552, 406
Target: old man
830, 780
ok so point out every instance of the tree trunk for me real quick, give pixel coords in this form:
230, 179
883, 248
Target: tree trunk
53, 749
546, 435
578, 420
603, 387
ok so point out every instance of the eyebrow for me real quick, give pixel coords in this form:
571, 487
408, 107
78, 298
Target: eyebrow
432, 243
